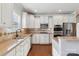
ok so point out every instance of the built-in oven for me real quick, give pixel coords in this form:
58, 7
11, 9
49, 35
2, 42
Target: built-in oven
58, 30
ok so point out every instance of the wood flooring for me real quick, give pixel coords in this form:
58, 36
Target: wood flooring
41, 50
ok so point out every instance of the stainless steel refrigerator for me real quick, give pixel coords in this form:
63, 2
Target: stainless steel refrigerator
69, 29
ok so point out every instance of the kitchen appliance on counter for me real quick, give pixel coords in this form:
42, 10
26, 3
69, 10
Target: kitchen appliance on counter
58, 30
69, 29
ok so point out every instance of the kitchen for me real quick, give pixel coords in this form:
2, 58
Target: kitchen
29, 30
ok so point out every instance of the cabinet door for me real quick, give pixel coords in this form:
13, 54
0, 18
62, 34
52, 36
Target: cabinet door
44, 39
11, 53
31, 21
7, 9
19, 50
24, 20
27, 46
37, 22
44, 19
35, 39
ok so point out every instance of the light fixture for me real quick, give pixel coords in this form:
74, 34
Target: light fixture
35, 10
59, 10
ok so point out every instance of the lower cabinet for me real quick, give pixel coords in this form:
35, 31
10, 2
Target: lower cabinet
27, 46
44, 39
19, 51
22, 49
35, 39
40, 39
11, 53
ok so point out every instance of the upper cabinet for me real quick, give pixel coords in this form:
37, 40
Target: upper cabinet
76, 16
37, 22
24, 20
32, 21
43, 19
6, 12
60, 19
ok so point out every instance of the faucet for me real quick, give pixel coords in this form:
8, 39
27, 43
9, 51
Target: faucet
17, 32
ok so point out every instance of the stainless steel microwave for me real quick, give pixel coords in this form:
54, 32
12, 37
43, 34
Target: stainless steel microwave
43, 26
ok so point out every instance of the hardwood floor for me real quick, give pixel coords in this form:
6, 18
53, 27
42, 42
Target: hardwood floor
41, 50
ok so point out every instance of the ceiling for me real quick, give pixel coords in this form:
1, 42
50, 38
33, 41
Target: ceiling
50, 8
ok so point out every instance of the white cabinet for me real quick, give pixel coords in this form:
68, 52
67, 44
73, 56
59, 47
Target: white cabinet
24, 20
63, 46
27, 45
40, 39
22, 49
11, 53
37, 22
43, 19
32, 21
7, 10
44, 39
19, 50
59, 19
35, 39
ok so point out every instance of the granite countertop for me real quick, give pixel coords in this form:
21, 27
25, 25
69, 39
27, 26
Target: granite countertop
69, 38
5, 45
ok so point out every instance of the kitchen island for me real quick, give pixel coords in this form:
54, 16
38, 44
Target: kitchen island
62, 46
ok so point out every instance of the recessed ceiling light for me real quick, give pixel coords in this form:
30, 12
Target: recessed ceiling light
59, 10
35, 10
